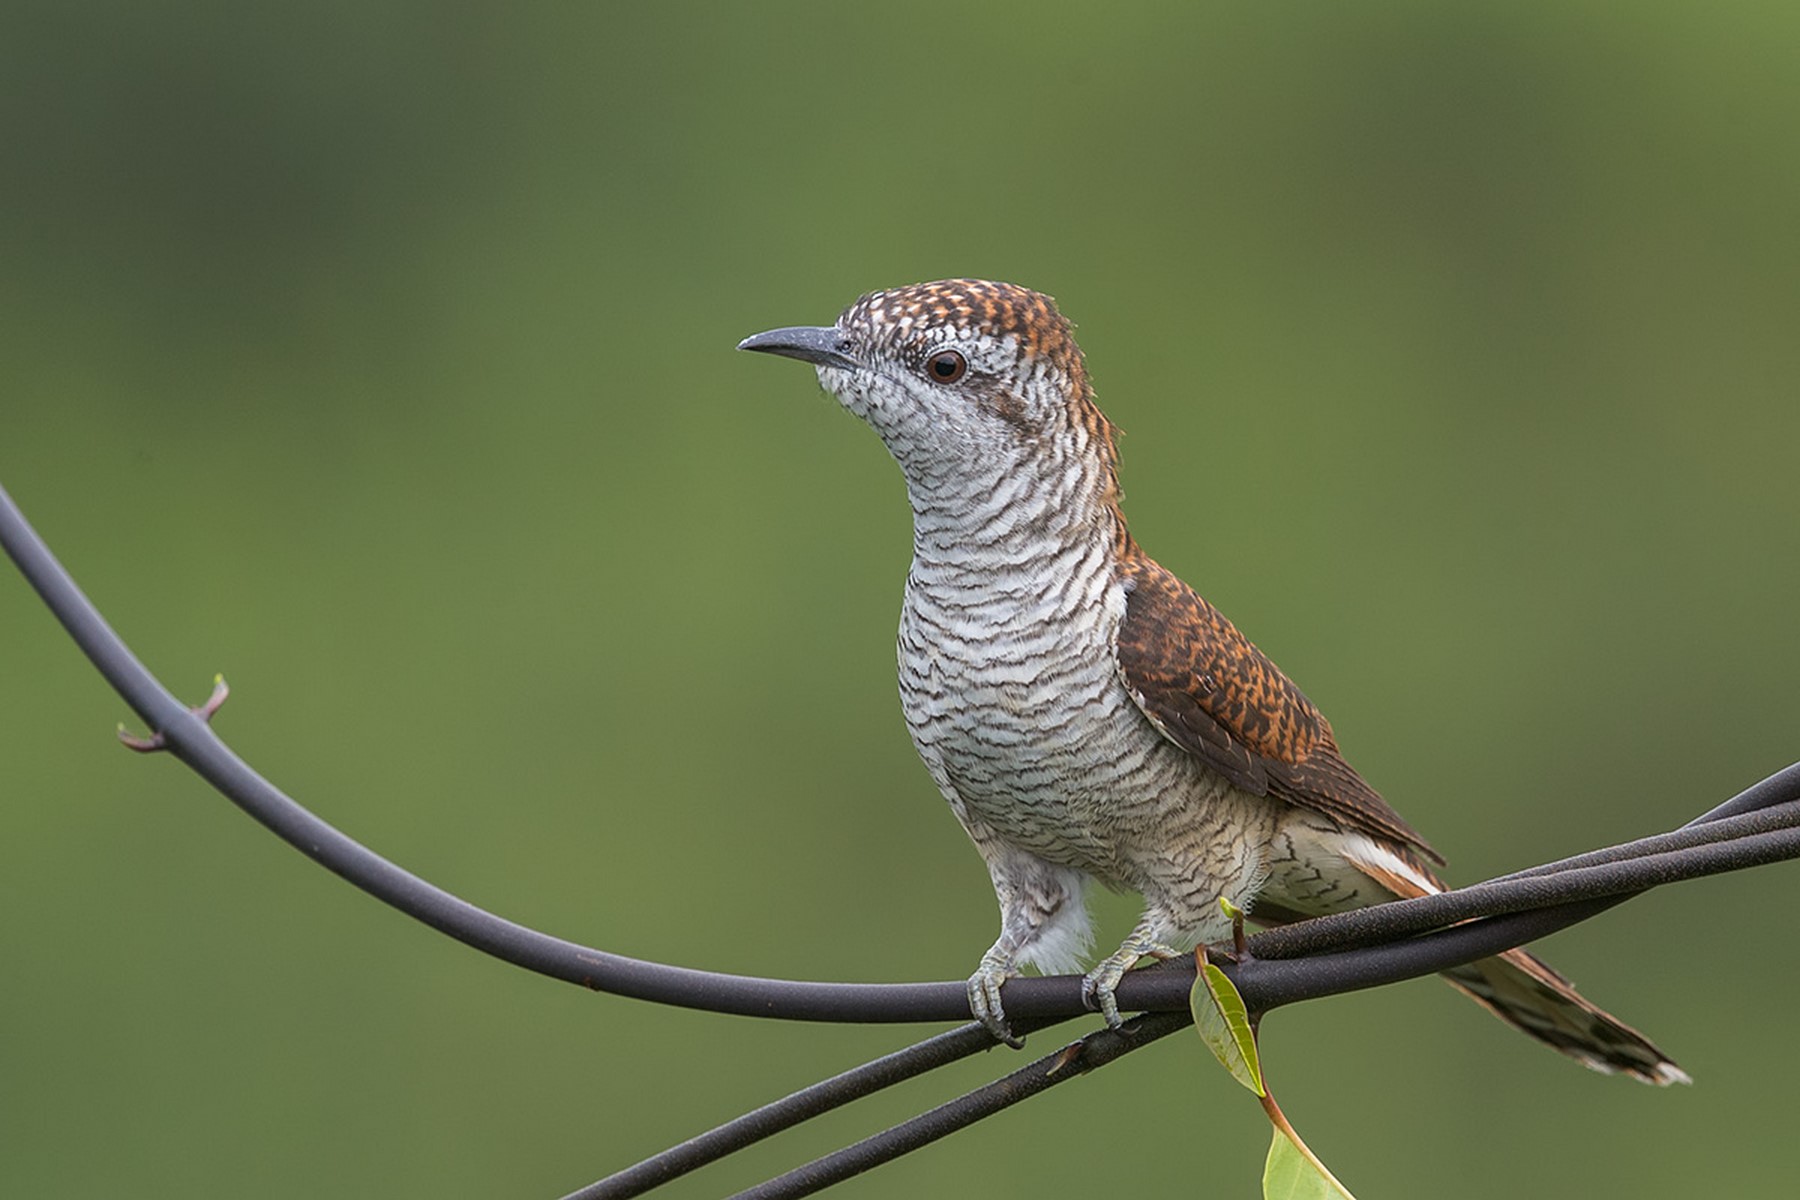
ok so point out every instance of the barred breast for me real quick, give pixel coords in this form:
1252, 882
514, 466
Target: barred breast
1012, 694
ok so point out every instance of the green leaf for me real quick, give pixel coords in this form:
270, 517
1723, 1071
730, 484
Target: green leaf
1224, 1024
1292, 1173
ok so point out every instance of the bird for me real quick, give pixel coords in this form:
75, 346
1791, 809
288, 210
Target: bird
1088, 717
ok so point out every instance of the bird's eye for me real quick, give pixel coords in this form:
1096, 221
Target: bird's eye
947, 366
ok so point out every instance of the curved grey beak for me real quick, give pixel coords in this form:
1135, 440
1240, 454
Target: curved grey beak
823, 346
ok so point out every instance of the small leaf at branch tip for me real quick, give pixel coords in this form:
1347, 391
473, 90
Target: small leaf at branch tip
1224, 1025
1231, 911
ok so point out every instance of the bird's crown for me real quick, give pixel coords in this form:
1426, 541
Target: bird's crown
914, 318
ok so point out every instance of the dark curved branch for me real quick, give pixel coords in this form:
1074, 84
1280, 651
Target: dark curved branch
1265, 983
1354, 950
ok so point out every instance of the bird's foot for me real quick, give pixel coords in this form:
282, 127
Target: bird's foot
984, 998
1098, 986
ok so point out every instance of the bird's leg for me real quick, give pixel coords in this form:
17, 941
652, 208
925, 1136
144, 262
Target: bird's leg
1043, 920
1097, 988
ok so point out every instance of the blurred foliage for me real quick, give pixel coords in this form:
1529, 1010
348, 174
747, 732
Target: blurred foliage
379, 355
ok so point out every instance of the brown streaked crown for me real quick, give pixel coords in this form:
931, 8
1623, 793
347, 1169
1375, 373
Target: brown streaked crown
977, 307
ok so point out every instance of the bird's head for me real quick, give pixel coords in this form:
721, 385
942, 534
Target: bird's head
962, 370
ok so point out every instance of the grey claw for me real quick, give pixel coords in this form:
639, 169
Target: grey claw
985, 1006
1097, 988
1097, 993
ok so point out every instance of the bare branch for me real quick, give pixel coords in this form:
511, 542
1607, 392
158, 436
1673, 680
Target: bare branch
1354, 950
1264, 984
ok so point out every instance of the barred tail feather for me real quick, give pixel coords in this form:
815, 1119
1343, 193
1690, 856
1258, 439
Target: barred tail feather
1521, 989
1527, 994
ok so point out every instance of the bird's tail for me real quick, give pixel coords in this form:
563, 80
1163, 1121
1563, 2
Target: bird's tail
1520, 988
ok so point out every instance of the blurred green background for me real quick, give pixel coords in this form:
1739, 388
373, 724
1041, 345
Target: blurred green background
381, 357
